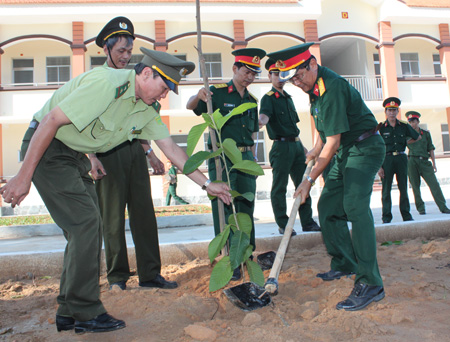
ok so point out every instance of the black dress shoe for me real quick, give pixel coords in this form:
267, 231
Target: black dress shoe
281, 231
386, 221
101, 323
312, 227
236, 274
332, 275
121, 284
445, 211
422, 213
409, 219
159, 282
361, 296
64, 323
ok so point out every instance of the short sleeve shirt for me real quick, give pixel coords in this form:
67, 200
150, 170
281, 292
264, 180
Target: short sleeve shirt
396, 137
282, 115
240, 128
422, 147
104, 112
338, 108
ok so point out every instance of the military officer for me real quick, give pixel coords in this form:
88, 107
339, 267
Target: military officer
173, 180
287, 156
346, 127
419, 165
93, 113
240, 128
395, 134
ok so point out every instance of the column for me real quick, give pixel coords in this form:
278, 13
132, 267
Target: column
444, 52
161, 45
239, 35
387, 60
78, 48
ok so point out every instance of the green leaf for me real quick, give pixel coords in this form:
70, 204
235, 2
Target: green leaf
249, 167
197, 159
238, 245
220, 121
194, 136
390, 243
244, 222
248, 252
248, 195
255, 272
217, 243
208, 119
220, 275
231, 151
386, 243
217, 116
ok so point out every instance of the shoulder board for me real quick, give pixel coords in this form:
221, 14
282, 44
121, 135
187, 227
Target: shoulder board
120, 90
254, 97
270, 93
221, 85
404, 122
157, 106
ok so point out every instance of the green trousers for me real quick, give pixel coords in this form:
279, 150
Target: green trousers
346, 198
398, 166
172, 192
127, 184
287, 159
423, 168
63, 182
240, 182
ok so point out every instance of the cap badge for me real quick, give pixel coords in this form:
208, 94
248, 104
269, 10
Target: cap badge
123, 26
256, 59
280, 64
183, 72
392, 103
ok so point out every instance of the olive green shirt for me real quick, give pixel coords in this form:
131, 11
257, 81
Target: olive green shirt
240, 128
338, 108
282, 115
102, 106
396, 137
422, 147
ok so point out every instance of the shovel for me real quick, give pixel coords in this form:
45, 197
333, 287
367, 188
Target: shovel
250, 296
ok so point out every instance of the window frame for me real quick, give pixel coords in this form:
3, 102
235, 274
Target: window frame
20, 69
58, 69
404, 61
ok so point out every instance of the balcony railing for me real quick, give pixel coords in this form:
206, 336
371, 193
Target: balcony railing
369, 87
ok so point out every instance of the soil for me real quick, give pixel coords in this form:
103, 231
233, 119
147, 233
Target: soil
416, 308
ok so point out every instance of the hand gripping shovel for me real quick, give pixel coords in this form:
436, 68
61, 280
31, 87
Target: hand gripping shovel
249, 296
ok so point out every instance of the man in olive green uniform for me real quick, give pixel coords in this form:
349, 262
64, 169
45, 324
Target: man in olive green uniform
173, 180
122, 181
240, 128
395, 134
93, 113
287, 156
346, 127
419, 165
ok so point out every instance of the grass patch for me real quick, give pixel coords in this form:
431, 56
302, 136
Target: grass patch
159, 211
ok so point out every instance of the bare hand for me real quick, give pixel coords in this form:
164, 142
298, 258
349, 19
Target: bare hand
15, 191
156, 164
202, 95
97, 169
220, 190
303, 190
381, 173
434, 168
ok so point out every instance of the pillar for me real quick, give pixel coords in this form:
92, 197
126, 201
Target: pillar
444, 53
78, 48
387, 60
239, 35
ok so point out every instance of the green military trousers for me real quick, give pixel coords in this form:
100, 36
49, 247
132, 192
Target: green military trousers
240, 182
346, 198
287, 159
172, 192
423, 168
63, 182
397, 165
127, 183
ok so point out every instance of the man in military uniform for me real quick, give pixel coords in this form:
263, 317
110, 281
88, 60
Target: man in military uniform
173, 180
287, 156
346, 127
122, 181
395, 134
240, 128
93, 113
419, 165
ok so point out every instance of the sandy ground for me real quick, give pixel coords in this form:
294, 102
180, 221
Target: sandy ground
416, 307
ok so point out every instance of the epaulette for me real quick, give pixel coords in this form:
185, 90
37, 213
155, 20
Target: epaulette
221, 85
256, 99
120, 90
404, 122
270, 93
157, 106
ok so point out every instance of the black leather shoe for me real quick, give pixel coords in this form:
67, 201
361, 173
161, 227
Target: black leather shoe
159, 282
64, 323
101, 323
236, 274
361, 296
312, 227
446, 211
281, 231
422, 213
410, 219
332, 275
121, 284
386, 221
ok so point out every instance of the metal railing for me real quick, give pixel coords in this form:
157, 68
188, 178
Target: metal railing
369, 87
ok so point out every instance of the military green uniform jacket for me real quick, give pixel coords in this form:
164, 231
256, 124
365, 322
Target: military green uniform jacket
282, 115
240, 127
111, 115
396, 137
422, 147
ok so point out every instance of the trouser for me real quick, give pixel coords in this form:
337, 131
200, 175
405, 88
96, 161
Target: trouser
172, 192
287, 159
346, 198
63, 182
421, 167
241, 182
397, 165
127, 183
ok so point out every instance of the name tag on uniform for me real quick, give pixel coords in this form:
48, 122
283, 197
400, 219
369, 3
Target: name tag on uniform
136, 131
229, 105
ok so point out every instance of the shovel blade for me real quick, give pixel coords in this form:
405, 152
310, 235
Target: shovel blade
246, 296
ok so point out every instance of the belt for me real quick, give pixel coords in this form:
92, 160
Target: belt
244, 148
367, 134
418, 157
395, 153
288, 139
34, 124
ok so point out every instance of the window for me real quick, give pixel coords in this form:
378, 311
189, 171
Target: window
376, 64
261, 148
97, 61
58, 69
135, 59
181, 141
437, 65
410, 64
23, 70
445, 138
213, 63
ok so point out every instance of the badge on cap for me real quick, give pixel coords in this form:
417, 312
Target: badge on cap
280, 64
183, 72
123, 26
256, 60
